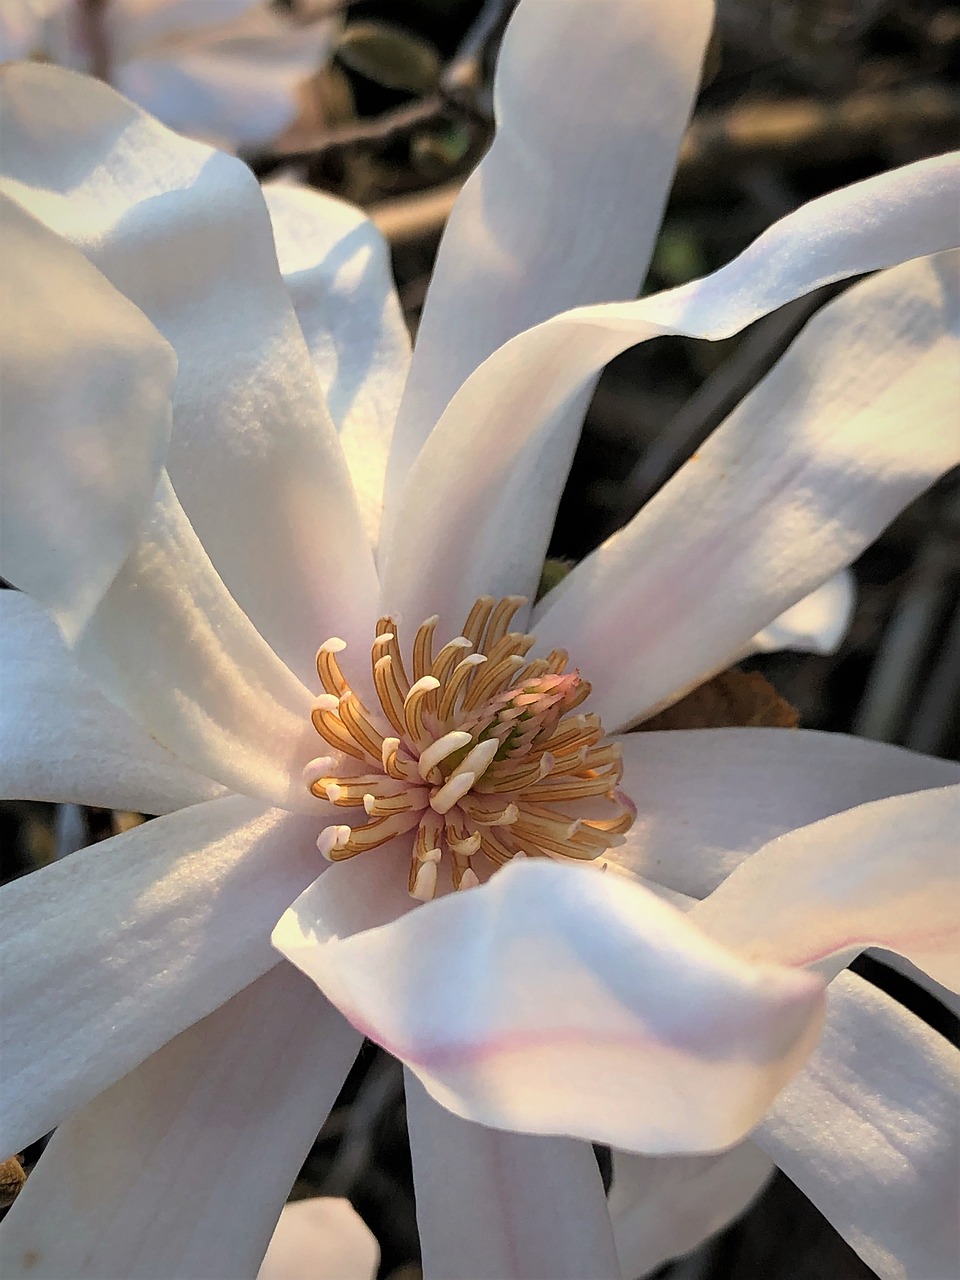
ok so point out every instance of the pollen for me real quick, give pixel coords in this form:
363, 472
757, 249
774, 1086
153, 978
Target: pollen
477, 752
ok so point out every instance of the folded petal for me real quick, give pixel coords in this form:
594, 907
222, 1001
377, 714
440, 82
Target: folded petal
170, 645
504, 1206
187, 1160
491, 464
62, 740
708, 798
565, 206
885, 874
235, 84
87, 393
111, 952
815, 624
184, 233
336, 265
664, 1206
869, 1132
857, 418
628, 1026
321, 1239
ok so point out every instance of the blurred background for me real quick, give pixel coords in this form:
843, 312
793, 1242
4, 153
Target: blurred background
391, 108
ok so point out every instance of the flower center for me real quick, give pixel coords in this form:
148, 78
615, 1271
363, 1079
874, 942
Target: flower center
485, 755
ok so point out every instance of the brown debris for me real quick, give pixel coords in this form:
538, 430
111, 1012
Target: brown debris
733, 699
12, 1178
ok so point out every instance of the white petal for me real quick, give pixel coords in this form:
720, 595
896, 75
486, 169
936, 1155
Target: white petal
708, 798
857, 418
591, 102
491, 464
504, 1205
21, 27
235, 84
869, 1132
815, 624
184, 233
170, 644
884, 874
87, 394
114, 950
321, 1239
62, 740
664, 1206
336, 266
138, 24
187, 1160
628, 1026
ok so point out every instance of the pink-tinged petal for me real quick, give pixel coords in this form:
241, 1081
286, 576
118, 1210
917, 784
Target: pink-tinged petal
171, 646
815, 624
183, 232
111, 952
87, 394
504, 1206
496, 463
21, 27
336, 265
869, 1132
629, 1025
857, 418
884, 874
708, 798
564, 208
664, 1206
62, 740
134, 25
186, 1161
321, 1239
235, 84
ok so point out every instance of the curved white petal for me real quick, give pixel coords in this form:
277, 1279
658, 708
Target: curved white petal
135, 25
489, 465
708, 798
885, 874
321, 1239
857, 418
628, 1026
664, 1206
109, 953
815, 624
233, 84
184, 233
87, 394
62, 740
869, 1132
504, 1206
188, 1159
171, 646
336, 265
591, 102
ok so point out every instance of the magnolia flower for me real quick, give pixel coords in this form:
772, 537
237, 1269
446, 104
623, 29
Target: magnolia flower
218, 463
228, 71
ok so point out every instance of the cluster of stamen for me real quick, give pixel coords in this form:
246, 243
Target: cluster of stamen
477, 751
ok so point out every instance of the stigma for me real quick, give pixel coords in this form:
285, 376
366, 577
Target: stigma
477, 751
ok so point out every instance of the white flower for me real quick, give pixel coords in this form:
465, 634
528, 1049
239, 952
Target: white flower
195, 557
226, 71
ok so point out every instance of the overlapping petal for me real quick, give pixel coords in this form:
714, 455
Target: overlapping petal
504, 1205
336, 266
664, 1206
87, 393
187, 1161
323, 1238
668, 1043
565, 207
62, 740
254, 456
884, 874
111, 952
708, 798
815, 624
869, 1132
490, 464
